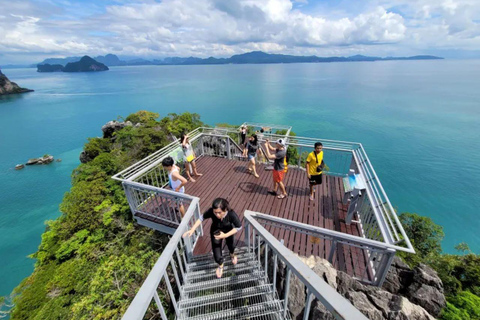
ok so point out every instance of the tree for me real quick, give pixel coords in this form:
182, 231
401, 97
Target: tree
425, 235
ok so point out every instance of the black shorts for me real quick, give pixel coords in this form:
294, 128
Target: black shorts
316, 179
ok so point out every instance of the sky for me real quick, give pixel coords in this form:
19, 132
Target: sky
31, 31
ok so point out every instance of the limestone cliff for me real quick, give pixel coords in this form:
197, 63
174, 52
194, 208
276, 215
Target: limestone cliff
8, 87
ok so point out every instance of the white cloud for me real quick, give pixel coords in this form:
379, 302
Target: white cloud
222, 28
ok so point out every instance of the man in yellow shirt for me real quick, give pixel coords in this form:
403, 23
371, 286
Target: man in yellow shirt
315, 167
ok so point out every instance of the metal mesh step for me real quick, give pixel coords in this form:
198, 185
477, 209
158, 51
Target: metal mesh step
242, 312
210, 275
209, 256
227, 268
223, 285
223, 296
200, 265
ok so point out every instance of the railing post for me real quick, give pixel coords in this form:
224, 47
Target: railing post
229, 156
247, 235
388, 256
189, 248
308, 304
159, 305
287, 291
128, 194
333, 248
172, 295
274, 280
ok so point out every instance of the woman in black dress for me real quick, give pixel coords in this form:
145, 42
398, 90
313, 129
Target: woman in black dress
225, 223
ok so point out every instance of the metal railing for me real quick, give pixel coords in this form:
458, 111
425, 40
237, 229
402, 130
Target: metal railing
375, 257
376, 215
168, 272
263, 243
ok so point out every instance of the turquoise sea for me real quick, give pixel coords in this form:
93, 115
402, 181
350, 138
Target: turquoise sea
419, 122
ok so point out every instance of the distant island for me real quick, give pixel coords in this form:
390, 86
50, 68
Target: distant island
8, 87
85, 64
254, 57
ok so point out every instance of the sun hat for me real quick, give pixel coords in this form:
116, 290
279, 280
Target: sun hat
281, 142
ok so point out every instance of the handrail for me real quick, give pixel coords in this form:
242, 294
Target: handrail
327, 232
340, 307
148, 290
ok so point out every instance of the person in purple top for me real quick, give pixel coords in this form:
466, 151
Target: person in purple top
225, 224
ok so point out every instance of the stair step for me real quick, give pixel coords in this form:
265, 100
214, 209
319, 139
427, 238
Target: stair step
209, 256
242, 312
210, 275
209, 270
223, 285
223, 296
200, 265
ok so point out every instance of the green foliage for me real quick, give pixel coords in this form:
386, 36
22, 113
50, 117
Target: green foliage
450, 312
95, 146
183, 123
462, 247
459, 272
467, 301
425, 235
69, 247
92, 259
143, 117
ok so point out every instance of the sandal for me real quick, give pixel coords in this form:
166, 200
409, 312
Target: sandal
282, 196
311, 198
234, 259
219, 272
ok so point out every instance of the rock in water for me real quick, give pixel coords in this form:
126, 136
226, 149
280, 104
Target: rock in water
8, 87
49, 68
86, 64
46, 159
19, 166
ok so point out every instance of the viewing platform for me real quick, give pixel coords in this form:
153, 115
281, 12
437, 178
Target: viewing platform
350, 222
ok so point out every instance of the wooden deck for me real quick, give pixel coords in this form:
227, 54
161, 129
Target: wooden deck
229, 179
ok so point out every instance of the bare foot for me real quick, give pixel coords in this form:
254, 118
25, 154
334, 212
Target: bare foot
257, 176
192, 180
199, 174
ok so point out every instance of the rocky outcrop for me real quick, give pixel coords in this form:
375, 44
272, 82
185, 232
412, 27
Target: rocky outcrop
49, 68
375, 303
46, 159
86, 64
8, 87
112, 126
421, 285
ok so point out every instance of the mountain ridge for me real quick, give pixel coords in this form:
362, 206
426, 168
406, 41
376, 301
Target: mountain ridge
253, 57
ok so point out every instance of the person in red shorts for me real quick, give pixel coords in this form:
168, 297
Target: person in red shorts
278, 166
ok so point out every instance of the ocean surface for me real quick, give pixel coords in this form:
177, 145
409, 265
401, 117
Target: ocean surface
419, 122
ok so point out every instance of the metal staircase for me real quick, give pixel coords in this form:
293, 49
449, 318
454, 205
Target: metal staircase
243, 292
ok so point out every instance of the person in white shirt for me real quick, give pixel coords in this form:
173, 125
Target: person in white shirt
176, 181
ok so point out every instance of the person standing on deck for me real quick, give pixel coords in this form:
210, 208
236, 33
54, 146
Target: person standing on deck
176, 181
251, 150
189, 158
225, 224
278, 166
314, 167
243, 135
